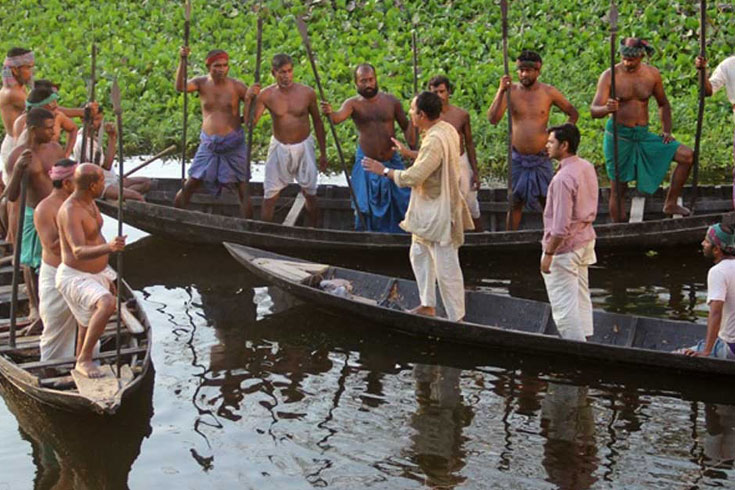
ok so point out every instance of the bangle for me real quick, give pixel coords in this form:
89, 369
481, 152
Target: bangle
549, 253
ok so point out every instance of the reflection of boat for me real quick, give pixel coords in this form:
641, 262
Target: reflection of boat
490, 319
216, 219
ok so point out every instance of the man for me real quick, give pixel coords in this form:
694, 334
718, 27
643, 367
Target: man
134, 187
17, 76
719, 245
569, 239
59, 325
531, 101
642, 155
84, 278
437, 215
220, 160
375, 113
47, 98
291, 152
724, 76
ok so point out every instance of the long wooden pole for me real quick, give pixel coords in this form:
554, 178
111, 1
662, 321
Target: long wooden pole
251, 107
613, 58
84, 155
152, 159
117, 107
700, 114
16, 258
415, 80
307, 44
506, 67
185, 61
92, 87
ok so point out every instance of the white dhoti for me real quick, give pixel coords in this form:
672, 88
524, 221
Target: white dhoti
286, 163
83, 290
6, 149
111, 179
567, 285
465, 185
432, 263
59, 325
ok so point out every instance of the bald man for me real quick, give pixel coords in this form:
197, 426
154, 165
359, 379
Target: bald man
84, 278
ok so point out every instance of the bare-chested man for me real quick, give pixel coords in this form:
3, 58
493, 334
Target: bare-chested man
642, 156
221, 158
84, 278
531, 100
17, 76
59, 325
291, 152
47, 98
375, 113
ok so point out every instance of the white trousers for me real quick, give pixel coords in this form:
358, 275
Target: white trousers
59, 325
436, 263
567, 285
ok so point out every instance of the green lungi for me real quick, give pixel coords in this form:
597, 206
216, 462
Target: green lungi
642, 156
30, 253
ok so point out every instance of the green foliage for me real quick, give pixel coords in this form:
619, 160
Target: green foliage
139, 41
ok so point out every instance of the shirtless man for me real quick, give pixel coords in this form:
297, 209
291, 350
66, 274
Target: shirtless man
220, 160
59, 325
531, 100
17, 76
84, 278
291, 152
642, 156
47, 98
375, 113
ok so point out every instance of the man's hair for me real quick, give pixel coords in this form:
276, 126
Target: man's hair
362, 66
430, 104
17, 52
528, 55
39, 93
46, 84
37, 116
568, 133
280, 60
440, 80
213, 52
64, 162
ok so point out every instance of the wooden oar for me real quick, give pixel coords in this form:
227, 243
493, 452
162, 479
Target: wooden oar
86, 135
152, 159
92, 87
415, 81
504, 12
117, 108
700, 114
187, 19
251, 107
307, 44
613, 56
16, 256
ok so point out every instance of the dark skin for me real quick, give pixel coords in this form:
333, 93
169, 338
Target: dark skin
44, 219
701, 64
13, 99
531, 102
635, 84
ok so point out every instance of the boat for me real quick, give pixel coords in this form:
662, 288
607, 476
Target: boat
215, 219
491, 320
54, 382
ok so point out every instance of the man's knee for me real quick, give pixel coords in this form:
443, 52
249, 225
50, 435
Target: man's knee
684, 155
106, 304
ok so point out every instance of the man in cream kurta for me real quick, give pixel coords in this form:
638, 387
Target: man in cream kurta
437, 214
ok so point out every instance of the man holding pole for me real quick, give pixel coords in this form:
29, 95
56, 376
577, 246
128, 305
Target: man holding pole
531, 101
291, 152
17, 76
221, 158
375, 113
642, 155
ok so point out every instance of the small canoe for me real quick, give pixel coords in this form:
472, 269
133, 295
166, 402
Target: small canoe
493, 320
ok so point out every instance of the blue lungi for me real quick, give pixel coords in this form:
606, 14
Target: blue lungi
382, 203
220, 160
530, 176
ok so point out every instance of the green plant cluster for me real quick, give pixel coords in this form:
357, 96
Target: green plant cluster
139, 40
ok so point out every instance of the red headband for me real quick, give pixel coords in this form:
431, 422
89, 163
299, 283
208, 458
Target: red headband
58, 172
217, 56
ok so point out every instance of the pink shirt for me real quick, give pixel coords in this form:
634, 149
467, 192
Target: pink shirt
571, 205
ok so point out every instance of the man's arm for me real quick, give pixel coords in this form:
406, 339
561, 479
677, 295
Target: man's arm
664, 108
341, 115
79, 111
469, 147
260, 106
497, 108
71, 133
562, 103
45, 223
11, 106
714, 319
247, 95
71, 223
17, 164
321, 136
408, 131
562, 205
427, 161
602, 104
181, 84
111, 150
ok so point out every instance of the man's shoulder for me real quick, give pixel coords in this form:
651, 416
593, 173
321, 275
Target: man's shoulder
48, 207
458, 111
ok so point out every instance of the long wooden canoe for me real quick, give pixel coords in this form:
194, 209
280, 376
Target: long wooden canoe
213, 219
493, 320
53, 382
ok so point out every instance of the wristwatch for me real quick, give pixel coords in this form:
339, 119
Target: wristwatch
385, 171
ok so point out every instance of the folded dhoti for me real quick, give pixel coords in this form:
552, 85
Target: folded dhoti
286, 163
642, 156
465, 185
5, 150
31, 245
530, 177
59, 325
82, 290
220, 160
111, 179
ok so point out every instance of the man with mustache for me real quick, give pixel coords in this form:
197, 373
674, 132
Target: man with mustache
531, 100
642, 155
381, 202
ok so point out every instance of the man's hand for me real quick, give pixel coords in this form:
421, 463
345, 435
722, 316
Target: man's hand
184, 51
326, 108
253, 91
405, 151
24, 160
117, 244
612, 105
372, 165
475, 182
700, 63
693, 353
546, 263
111, 129
667, 137
94, 108
505, 82
323, 163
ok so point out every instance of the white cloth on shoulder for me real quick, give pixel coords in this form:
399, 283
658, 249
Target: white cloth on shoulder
111, 177
5, 150
59, 325
465, 185
82, 290
286, 163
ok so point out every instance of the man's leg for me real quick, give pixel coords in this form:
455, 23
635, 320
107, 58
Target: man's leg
513, 218
184, 195
422, 264
584, 257
312, 209
562, 287
684, 157
269, 208
111, 193
140, 185
246, 205
31, 281
612, 206
103, 310
451, 282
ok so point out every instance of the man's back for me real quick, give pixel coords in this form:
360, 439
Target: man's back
44, 218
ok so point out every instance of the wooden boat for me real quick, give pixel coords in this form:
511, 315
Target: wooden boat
211, 219
492, 320
55, 383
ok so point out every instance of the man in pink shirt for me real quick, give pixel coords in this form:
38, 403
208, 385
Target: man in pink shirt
569, 239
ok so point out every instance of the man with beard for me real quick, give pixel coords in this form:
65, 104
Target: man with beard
381, 202
291, 152
531, 169
642, 155
221, 158
17, 75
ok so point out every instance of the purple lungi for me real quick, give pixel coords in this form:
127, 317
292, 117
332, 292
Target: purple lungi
220, 160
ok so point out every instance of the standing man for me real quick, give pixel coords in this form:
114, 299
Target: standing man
17, 76
381, 202
221, 158
59, 325
47, 98
291, 153
437, 215
642, 156
531, 100
569, 239
84, 278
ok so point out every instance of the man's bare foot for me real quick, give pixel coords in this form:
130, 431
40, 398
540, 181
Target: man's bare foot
672, 209
88, 369
423, 310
